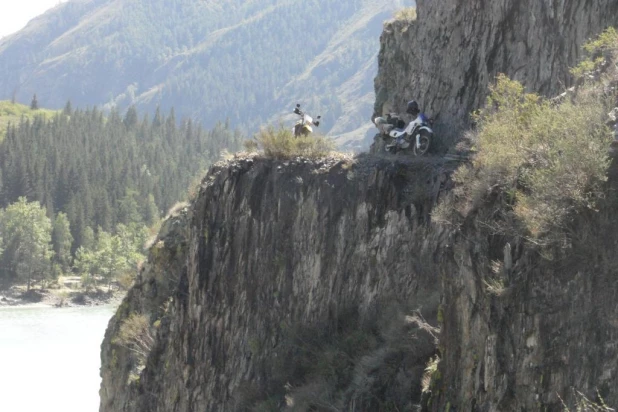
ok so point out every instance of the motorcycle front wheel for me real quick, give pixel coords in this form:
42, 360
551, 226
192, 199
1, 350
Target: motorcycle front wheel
424, 142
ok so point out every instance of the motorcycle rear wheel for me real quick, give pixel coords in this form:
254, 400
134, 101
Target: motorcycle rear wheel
424, 143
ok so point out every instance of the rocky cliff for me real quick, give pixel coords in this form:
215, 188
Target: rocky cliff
541, 339
278, 255
448, 56
323, 286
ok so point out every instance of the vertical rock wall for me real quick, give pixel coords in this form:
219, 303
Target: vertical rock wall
277, 245
268, 246
448, 56
525, 330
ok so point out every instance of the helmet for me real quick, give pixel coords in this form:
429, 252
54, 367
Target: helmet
412, 107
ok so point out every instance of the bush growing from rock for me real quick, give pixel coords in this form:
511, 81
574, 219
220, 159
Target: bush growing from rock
546, 158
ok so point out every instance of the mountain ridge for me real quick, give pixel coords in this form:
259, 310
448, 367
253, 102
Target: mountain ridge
247, 62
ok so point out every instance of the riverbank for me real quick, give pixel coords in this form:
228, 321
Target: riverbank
64, 296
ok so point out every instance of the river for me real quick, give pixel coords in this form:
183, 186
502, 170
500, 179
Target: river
50, 358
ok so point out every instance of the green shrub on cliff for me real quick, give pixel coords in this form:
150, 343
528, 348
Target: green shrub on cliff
135, 335
600, 51
542, 159
280, 143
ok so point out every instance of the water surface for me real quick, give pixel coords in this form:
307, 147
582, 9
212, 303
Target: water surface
50, 358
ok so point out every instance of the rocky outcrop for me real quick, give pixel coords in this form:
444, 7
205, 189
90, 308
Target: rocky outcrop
524, 330
269, 247
156, 284
274, 247
448, 56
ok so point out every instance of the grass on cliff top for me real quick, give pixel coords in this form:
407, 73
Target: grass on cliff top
13, 112
280, 143
406, 14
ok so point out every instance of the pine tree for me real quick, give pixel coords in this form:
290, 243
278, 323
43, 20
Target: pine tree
88, 238
68, 109
62, 241
99, 172
158, 119
34, 104
150, 211
131, 118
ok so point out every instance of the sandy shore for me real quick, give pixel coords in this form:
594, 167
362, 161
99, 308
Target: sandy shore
56, 298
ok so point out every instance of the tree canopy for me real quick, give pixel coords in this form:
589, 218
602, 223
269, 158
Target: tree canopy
78, 189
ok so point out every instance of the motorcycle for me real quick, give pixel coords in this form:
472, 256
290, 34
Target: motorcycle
303, 126
386, 124
417, 135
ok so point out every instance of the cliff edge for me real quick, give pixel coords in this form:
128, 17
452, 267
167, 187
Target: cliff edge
278, 254
296, 285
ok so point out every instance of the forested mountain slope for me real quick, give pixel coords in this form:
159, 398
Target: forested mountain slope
14, 112
105, 170
248, 61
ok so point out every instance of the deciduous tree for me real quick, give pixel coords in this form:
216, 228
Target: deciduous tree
26, 230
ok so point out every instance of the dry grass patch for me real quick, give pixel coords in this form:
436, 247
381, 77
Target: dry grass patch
406, 14
583, 404
431, 374
280, 143
135, 335
176, 209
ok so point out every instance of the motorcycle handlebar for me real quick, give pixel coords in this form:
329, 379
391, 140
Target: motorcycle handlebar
301, 113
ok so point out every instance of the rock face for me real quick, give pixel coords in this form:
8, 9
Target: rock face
268, 247
448, 56
271, 247
156, 283
551, 331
